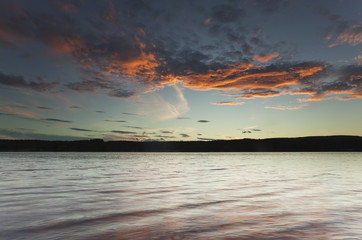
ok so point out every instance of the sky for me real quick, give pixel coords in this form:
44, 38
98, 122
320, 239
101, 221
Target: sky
168, 70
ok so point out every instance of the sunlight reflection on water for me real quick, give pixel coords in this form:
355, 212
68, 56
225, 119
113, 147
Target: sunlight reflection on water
180, 196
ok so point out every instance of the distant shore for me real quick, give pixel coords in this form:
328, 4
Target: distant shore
301, 144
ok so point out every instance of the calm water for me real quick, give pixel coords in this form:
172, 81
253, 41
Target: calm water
180, 196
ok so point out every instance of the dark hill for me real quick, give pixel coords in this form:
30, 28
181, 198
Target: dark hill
302, 144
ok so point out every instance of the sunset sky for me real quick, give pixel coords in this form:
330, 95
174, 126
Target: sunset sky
180, 70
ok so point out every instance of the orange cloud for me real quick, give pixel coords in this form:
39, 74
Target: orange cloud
60, 44
228, 103
68, 7
351, 35
266, 58
207, 21
358, 59
16, 112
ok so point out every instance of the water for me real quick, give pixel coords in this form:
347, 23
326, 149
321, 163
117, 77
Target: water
180, 196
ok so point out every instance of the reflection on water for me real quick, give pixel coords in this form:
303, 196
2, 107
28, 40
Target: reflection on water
180, 196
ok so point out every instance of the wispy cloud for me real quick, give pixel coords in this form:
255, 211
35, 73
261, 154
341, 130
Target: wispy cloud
185, 135
203, 121
56, 120
266, 58
115, 121
81, 130
287, 107
123, 132
44, 108
351, 35
228, 103
20, 82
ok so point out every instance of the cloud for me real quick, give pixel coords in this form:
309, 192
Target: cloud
272, 6
286, 107
116, 121
185, 135
99, 111
203, 121
134, 127
266, 58
228, 103
226, 13
9, 111
351, 35
56, 120
37, 136
67, 6
20, 82
123, 132
44, 108
81, 129
207, 21
161, 108
131, 114
167, 132
120, 93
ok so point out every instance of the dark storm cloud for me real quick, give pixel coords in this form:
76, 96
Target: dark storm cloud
56, 120
81, 130
203, 121
20, 82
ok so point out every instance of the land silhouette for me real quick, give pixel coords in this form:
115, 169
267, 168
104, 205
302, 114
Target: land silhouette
300, 144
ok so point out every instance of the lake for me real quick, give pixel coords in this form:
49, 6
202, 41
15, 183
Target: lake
181, 195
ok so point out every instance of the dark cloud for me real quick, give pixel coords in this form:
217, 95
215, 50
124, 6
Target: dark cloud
121, 93
203, 121
56, 120
99, 111
226, 13
256, 130
246, 131
38, 136
123, 132
20, 82
167, 132
44, 108
74, 107
134, 127
185, 135
116, 121
272, 6
81, 129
